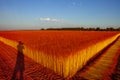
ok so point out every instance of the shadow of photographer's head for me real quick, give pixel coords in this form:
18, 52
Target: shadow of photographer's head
20, 43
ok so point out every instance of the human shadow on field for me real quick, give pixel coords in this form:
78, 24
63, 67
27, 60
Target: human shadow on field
19, 66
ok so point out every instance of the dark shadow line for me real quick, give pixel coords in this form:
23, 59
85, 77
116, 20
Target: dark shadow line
19, 66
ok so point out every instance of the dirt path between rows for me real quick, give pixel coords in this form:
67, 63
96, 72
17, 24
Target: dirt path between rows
103, 67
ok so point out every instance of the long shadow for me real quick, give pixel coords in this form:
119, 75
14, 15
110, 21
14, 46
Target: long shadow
19, 66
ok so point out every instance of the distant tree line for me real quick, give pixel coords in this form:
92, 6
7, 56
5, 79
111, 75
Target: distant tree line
85, 29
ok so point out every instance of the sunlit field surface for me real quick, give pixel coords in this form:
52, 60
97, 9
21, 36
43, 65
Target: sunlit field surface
52, 55
103, 67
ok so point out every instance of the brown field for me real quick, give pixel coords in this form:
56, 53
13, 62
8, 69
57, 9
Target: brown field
58, 55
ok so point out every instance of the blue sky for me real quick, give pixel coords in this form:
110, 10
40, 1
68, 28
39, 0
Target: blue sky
37, 14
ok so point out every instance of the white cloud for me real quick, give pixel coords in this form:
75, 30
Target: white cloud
49, 19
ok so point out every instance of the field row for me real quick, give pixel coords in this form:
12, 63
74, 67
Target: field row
103, 66
33, 70
64, 52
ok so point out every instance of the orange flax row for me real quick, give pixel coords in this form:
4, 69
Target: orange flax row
57, 42
61, 51
81, 57
103, 68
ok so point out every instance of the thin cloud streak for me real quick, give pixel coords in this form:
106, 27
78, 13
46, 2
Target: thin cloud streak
49, 19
